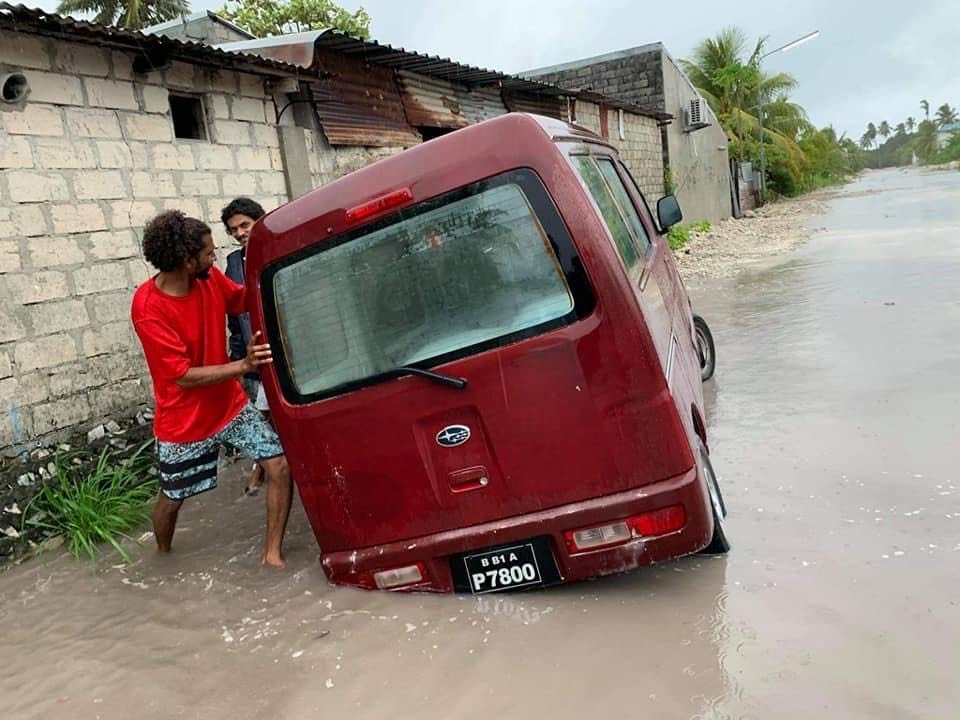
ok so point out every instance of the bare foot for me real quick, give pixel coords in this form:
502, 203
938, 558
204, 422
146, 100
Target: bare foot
276, 561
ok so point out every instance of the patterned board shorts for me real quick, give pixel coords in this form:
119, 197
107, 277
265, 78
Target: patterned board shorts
188, 469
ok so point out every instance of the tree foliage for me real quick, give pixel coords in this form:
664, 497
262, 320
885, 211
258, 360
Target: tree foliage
726, 70
264, 18
128, 14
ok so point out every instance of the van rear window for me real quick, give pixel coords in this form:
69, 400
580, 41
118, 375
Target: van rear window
451, 276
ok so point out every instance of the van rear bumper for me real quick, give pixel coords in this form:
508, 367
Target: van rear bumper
356, 567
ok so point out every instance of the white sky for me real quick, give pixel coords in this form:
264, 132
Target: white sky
873, 61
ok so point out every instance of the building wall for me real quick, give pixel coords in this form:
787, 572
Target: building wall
639, 148
86, 161
699, 160
648, 76
632, 76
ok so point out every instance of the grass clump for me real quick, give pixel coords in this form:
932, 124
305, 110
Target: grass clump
94, 503
679, 235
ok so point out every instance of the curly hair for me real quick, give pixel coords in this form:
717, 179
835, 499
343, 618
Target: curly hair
242, 206
172, 238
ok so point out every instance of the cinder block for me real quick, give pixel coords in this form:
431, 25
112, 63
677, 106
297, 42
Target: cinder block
22, 221
156, 128
55, 88
44, 352
153, 185
25, 51
99, 185
9, 256
172, 157
61, 154
54, 252
113, 245
54, 317
34, 119
93, 123
77, 59
15, 153
100, 278
27, 186
69, 219
116, 94
114, 154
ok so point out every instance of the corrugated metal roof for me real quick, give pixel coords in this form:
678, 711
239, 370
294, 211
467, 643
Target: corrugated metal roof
548, 106
296, 48
359, 104
479, 104
20, 18
430, 102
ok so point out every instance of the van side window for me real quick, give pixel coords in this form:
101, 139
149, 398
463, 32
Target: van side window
626, 204
599, 190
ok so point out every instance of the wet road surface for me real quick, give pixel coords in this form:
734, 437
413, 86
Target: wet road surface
833, 425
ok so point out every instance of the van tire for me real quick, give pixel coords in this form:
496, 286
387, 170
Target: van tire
719, 545
706, 349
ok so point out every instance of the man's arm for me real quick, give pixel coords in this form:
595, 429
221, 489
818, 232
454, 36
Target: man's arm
257, 355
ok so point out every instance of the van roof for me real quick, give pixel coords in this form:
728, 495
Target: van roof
509, 136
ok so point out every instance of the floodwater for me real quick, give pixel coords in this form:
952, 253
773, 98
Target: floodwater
833, 423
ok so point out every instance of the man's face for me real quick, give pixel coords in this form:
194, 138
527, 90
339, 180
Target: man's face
239, 227
200, 265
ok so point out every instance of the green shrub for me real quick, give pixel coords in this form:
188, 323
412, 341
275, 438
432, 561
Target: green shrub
678, 236
89, 505
703, 226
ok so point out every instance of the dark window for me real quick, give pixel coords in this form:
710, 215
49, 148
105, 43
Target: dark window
455, 275
188, 120
431, 133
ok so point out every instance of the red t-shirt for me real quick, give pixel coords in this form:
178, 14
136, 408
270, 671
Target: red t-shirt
179, 333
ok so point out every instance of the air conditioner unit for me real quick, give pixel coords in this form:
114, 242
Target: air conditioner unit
695, 116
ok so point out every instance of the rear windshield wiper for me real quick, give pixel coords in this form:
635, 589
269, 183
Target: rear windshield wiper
457, 382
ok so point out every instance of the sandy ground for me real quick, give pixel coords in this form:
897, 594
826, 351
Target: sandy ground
734, 245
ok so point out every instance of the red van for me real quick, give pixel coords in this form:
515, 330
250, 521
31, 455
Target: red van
485, 369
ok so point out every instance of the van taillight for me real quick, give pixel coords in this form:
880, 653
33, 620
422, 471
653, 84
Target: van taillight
650, 524
378, 205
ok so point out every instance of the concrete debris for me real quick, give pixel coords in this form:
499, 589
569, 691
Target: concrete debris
98, 433
11, 532
113, 427
732, 245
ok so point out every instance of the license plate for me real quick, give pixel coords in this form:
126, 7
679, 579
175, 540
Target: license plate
505, 568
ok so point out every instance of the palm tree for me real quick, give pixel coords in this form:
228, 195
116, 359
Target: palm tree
901, 129
871, 133
884, 129
946, 115
865, 141
925, 144
128, 14
926, 108
731, 82
911, 124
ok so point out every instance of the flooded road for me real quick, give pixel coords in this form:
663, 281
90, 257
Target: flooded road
833, 425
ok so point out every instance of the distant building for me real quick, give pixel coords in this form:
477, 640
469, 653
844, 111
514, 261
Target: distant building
945, 132
694, 144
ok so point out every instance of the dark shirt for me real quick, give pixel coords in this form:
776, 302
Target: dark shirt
239, 325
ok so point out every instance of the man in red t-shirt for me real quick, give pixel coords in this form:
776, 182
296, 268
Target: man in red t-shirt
180, 317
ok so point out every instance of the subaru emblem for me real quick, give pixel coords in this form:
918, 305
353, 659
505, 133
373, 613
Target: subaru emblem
453, 435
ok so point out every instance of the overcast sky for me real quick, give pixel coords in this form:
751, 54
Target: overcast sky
873, 61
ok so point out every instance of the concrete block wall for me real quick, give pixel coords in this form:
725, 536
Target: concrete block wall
327, 163
640, 147
635, 78
85, 162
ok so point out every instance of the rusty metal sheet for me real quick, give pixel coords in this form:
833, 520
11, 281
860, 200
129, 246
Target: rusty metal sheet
553, 106
360, 104
479, 104
430, 102
19, 18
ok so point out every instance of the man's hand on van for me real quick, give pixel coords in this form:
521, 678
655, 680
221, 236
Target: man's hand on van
257, 355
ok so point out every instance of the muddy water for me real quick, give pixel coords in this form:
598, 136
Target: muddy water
833, 422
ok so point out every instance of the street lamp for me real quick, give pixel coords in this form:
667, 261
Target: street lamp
763, 155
